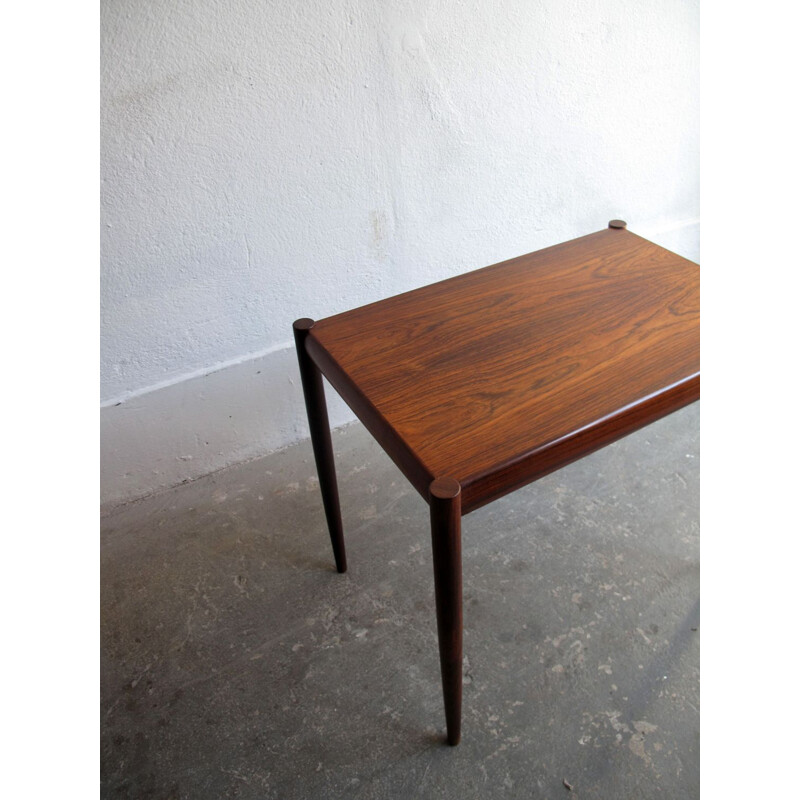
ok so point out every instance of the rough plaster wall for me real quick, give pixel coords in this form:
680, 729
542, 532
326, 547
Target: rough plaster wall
264, 161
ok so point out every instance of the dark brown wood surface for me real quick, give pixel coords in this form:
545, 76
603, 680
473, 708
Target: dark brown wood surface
445, 508
501, 375
320, 430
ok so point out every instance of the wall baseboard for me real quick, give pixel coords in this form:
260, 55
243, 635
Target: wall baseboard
197, 426
182, 431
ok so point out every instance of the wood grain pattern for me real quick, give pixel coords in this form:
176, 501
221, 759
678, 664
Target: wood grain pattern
500, 375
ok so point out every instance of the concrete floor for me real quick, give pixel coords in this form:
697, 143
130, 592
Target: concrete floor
237, 663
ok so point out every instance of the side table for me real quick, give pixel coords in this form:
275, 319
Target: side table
482, 383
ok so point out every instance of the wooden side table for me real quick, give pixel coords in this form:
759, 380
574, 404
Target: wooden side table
482, 383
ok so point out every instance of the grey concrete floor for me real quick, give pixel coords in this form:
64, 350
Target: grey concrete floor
237, 663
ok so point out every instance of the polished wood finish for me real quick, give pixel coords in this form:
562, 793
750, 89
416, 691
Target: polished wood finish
317, 410
373, 420
445, 511
482, 383
501, 375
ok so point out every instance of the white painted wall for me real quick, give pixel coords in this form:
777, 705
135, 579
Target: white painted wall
264, 161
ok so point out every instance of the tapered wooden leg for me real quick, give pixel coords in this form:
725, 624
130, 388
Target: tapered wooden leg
445, 502
321, 440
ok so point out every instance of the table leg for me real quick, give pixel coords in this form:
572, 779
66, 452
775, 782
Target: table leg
317, 410
445, 506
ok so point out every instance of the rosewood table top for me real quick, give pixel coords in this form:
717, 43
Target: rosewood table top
499, 376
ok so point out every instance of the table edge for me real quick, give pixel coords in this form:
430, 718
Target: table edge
514, 473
